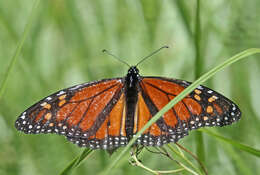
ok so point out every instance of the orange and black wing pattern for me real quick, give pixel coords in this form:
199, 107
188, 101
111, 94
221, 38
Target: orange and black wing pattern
90, 114
106, 114
202, 107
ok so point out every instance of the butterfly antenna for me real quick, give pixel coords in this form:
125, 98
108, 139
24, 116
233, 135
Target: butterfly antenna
151, 54
107, 52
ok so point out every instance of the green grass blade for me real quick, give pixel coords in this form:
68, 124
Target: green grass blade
197, 42
199, 62
76, 162
234, 143
6, 25
184, 93
19, 47
184, 158
185, 16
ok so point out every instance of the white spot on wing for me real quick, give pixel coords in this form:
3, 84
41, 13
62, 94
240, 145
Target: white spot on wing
60, 93
43, 104
185, 82
200, 87
76, 87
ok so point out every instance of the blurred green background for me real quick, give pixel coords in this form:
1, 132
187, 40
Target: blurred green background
63, 48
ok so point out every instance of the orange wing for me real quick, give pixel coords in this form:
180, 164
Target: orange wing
88, 114
94, 114
202, 107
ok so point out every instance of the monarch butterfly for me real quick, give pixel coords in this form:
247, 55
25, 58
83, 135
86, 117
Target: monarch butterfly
106, 114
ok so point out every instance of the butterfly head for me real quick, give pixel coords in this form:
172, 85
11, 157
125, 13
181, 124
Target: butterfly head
132, 76
133, 71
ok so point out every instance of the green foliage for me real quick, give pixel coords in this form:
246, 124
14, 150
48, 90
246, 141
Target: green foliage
243, 147
76, 162
59, 43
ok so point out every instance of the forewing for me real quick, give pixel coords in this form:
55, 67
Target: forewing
80, 112
202, 107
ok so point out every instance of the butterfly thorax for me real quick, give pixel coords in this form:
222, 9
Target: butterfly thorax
131, 94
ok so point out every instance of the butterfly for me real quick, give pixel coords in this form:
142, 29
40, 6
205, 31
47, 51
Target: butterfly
107, 114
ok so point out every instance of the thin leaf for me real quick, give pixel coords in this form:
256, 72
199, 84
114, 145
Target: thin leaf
76, 162
199, 62
19, 47
185, 16
234, 143
177, 153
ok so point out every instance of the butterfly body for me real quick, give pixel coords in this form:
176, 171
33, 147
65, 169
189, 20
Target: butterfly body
131, 94
106, 114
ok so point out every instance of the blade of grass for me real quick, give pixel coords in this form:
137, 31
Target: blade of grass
200, 148
136, 162
197, 43
184, 93
76, 162
234, 143
185, 16
239, 163
194, 157
6, 25
181, 155
19, 47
